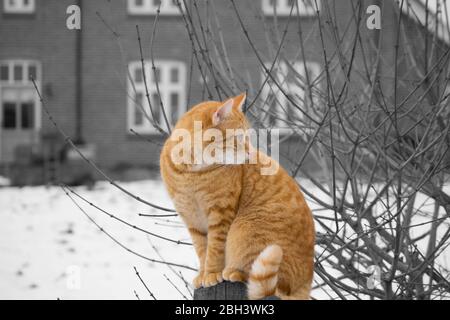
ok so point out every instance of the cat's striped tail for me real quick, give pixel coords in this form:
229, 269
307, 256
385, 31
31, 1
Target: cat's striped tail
263, 278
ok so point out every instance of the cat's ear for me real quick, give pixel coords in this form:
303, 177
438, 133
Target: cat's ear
239, 101
223, 112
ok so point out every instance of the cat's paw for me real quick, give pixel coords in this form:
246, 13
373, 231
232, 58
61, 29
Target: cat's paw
234, 275
198, 280
211, 279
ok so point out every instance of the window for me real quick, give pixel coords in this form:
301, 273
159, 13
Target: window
283, 7
18, 6
300, 85
170, 78
19, 102
150, 7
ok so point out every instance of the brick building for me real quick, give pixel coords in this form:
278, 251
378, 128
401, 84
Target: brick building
84, 75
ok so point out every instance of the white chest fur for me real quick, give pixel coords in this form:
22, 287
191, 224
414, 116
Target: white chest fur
191, 213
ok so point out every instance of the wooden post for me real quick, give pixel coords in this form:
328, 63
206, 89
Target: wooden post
225, 291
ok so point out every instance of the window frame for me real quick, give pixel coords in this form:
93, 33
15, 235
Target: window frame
166, 89
24, 83
288, 88
284, 9
148, 9
20, 8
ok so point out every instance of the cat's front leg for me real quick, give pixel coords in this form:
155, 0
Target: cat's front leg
219, 222
199, 241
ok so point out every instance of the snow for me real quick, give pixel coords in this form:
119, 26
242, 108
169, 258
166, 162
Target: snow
50, 250
47, 244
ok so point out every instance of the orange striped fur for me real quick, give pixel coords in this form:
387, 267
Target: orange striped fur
244, 226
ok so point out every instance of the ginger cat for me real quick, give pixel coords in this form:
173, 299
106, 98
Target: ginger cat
245, 226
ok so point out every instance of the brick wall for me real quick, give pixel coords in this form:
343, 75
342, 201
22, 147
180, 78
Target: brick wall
43, 36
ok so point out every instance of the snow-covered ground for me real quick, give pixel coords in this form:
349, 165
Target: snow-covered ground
50, 250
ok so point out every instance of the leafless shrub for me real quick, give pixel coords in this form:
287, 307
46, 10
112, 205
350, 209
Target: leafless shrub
374, 120
377, 124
